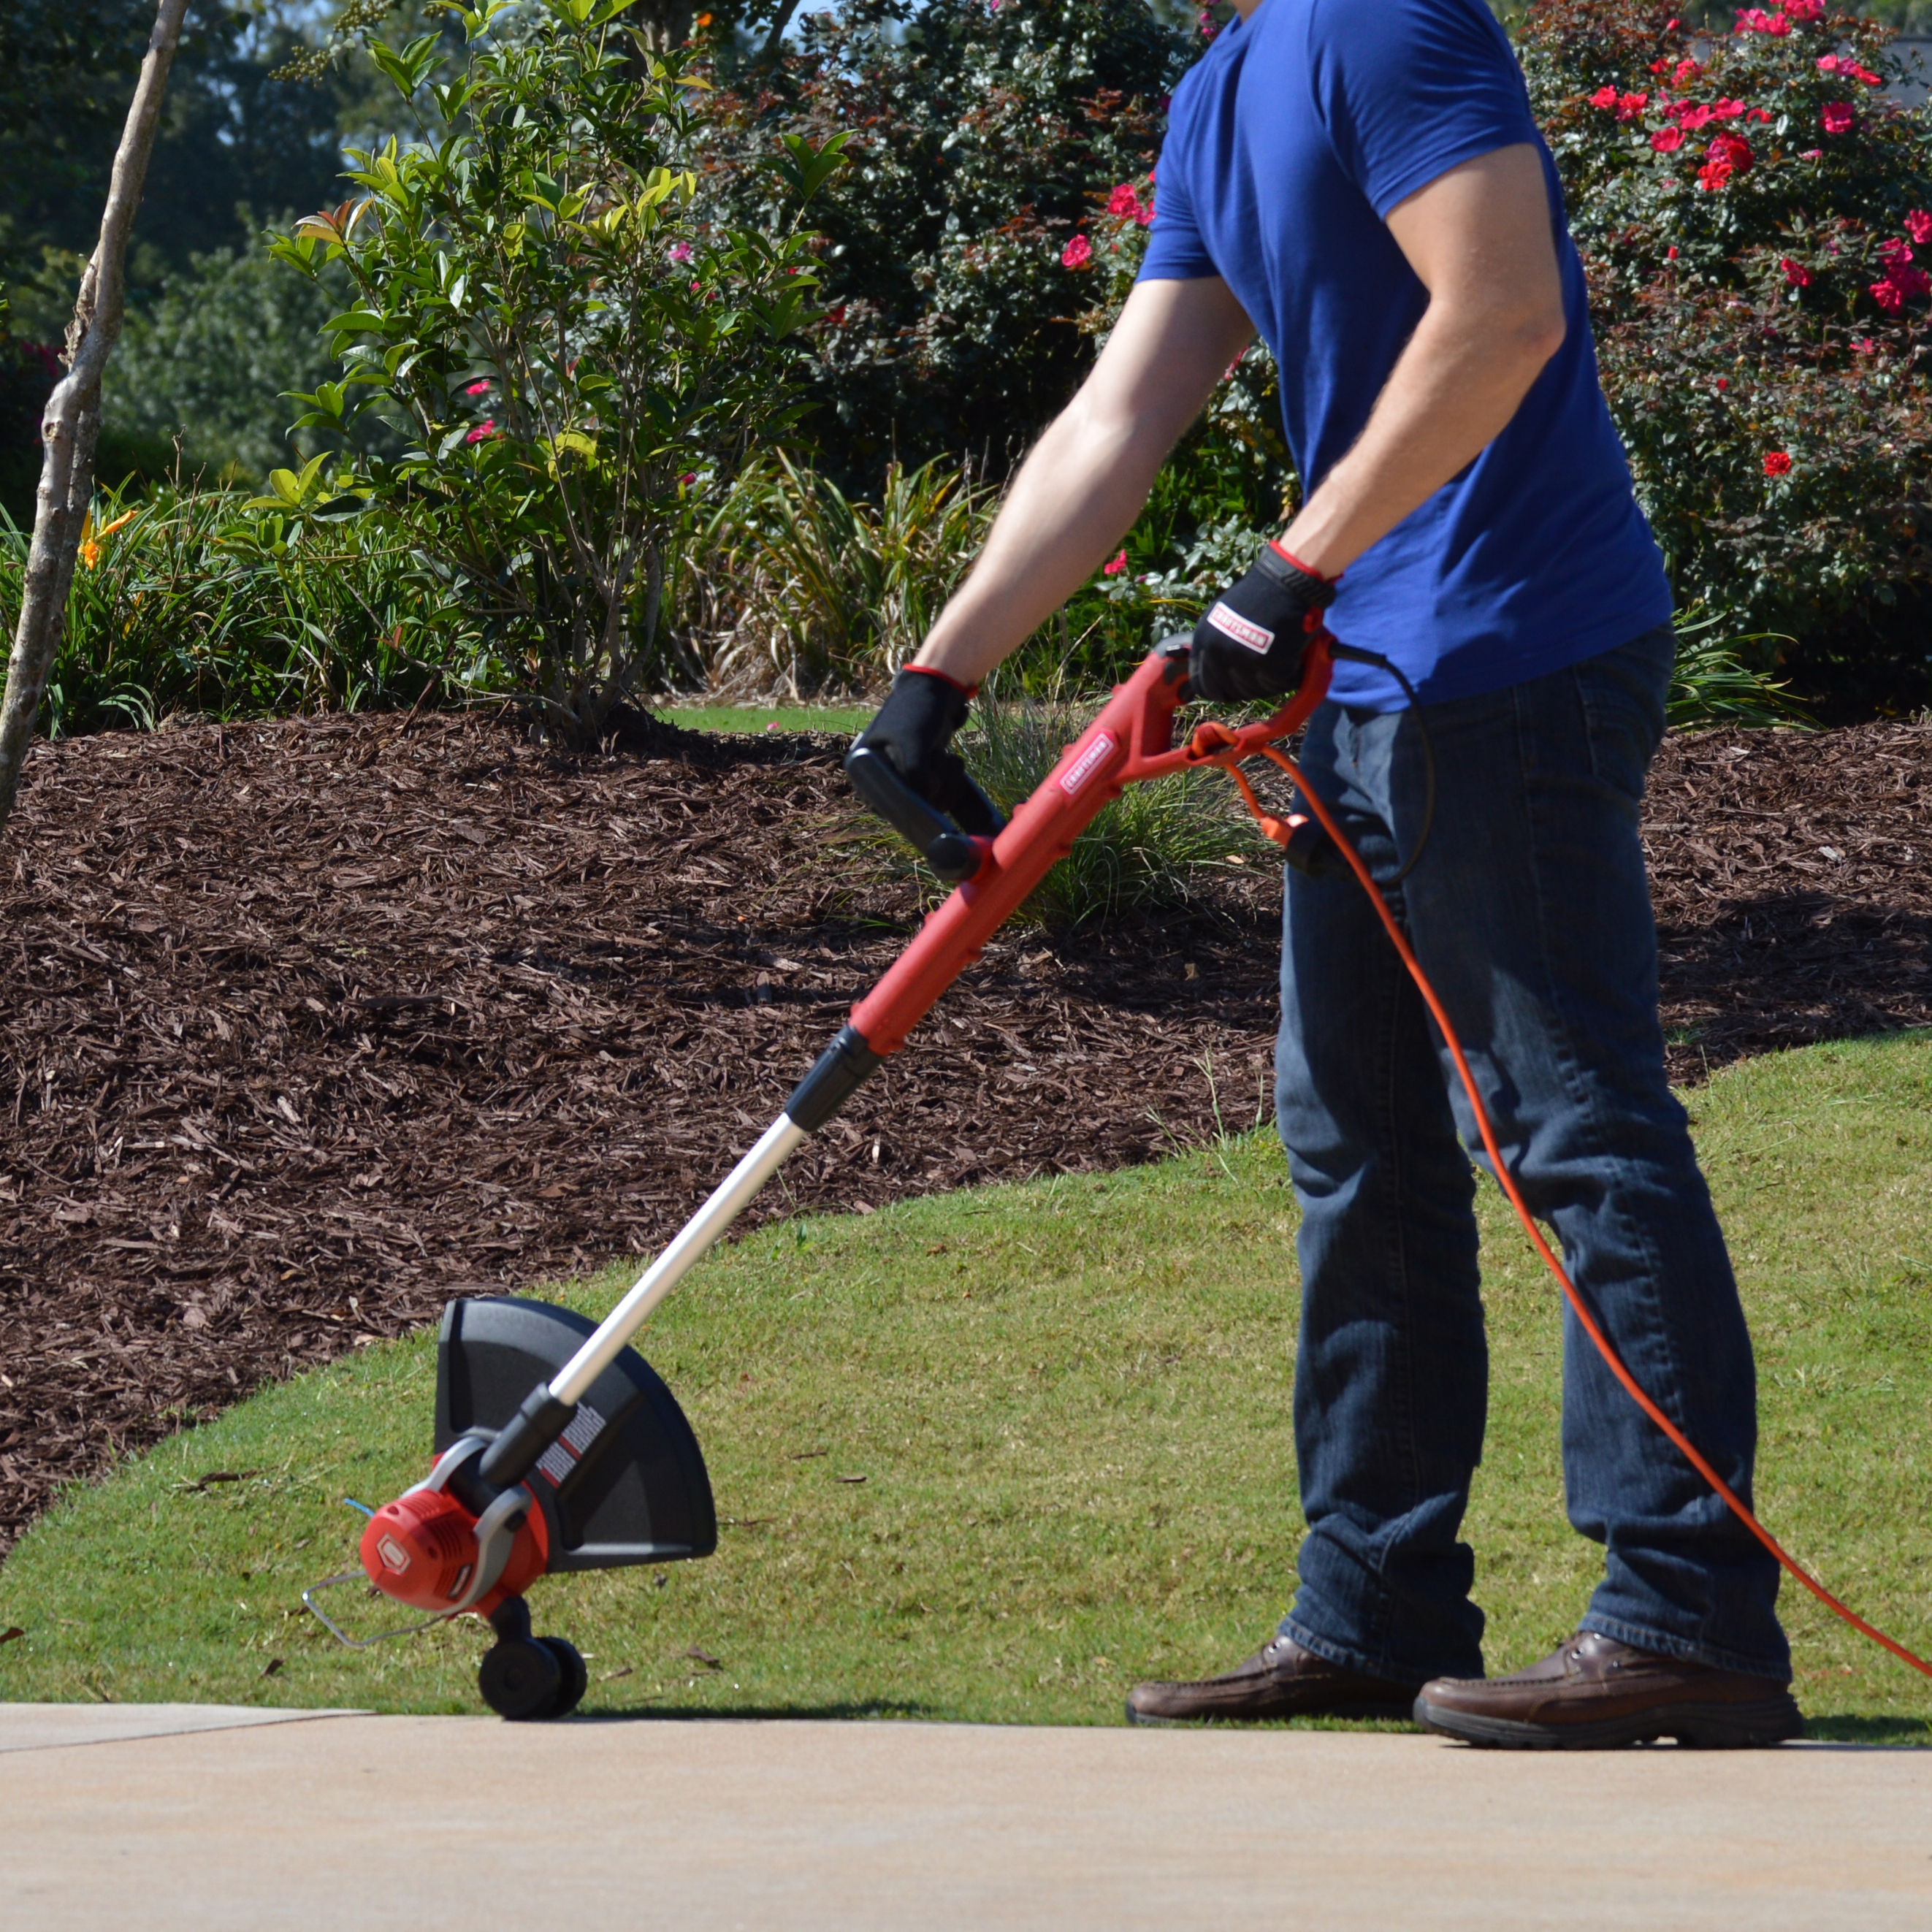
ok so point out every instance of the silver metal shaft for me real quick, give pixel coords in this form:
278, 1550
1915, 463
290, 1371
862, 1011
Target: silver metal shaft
572, 1382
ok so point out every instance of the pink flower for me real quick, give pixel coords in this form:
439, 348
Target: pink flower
1865, 346
1918, 225
1604, 97
1143, 214
1727, 110
1670, 253
1205, 23
1889, 295
1829, 63
1756, 20
1777, 462
680, 251
1895, 254
1863, 74
1630, 105
482, 432
1123, 200
1804, 10
1685, 71
1837, 117
1079, 251
1115, 565
481, 388
1812, 154
689, 477
1667, 140
1796, 273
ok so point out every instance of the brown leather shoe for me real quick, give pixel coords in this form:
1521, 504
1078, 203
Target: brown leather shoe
1595, 1692
1282, 1681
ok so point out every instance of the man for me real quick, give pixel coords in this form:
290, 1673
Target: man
1361, 180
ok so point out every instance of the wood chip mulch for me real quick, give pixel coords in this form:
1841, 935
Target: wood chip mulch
313, 1026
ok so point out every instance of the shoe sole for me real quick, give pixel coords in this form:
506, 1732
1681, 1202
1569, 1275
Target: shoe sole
1770, 1720
1352, 1713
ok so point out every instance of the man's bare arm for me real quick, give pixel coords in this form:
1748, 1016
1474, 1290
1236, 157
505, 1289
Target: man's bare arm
1078, 494
1480, 237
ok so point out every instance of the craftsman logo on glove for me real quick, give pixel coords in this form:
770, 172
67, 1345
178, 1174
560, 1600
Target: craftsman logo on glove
1231, 623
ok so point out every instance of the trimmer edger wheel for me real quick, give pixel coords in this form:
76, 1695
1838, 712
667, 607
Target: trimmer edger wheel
527, 1678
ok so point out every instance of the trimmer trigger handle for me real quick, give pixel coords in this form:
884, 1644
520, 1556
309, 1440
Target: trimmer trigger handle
955, 855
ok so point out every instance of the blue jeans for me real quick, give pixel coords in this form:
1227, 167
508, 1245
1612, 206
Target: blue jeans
1530, 909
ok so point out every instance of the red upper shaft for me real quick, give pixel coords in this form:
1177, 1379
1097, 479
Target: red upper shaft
1128, 741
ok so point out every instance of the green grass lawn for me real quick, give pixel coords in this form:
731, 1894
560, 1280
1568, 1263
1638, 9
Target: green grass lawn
842, 718
1068, 1402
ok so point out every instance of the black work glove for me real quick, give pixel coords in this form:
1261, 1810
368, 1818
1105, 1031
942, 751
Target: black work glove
912, 730
1250, 644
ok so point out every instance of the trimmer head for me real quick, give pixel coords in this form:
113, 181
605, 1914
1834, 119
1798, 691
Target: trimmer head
624, 1484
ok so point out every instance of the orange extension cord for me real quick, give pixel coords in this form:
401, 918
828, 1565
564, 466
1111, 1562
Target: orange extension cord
1279, 832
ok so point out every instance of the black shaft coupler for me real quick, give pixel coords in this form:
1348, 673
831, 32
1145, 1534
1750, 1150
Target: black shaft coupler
843, 1068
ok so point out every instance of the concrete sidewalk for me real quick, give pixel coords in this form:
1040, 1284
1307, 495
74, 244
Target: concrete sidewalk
165, 1816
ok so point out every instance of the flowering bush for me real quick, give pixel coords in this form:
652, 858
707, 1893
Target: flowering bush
1753, 211
955, 244
545, 309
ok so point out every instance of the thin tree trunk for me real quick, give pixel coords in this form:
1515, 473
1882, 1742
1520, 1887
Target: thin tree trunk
71, 426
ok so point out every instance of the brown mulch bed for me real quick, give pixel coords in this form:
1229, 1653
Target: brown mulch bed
313, 1026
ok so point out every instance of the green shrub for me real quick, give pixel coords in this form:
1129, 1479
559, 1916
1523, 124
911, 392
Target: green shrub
977, 132
571, 348
207, 366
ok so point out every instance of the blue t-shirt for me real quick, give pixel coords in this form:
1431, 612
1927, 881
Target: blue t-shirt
1288, 144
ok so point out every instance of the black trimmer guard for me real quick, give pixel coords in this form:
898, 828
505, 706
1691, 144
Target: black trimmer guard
626, 1482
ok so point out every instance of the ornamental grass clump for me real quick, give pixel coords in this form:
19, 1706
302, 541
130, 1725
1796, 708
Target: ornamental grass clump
1756, 214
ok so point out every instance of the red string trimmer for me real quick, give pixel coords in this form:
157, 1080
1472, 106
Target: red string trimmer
557, 1447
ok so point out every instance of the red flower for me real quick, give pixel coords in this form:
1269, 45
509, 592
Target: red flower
1670, 253
1829, 63
1894, 254
1604, 97
1918, 225
1143, 214
1079, 251
1123, 200
1667, 140
1115, 565
1796, 273
1837, 117
1723, 382
1728, 155
481, 388
1777, 462
1727, 110
1630, 105
1804, 10
1889, 295
1756, 20
482, 432
1865, 346
1686, 71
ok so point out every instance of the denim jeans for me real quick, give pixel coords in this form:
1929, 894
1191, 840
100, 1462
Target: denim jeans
1530, 909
